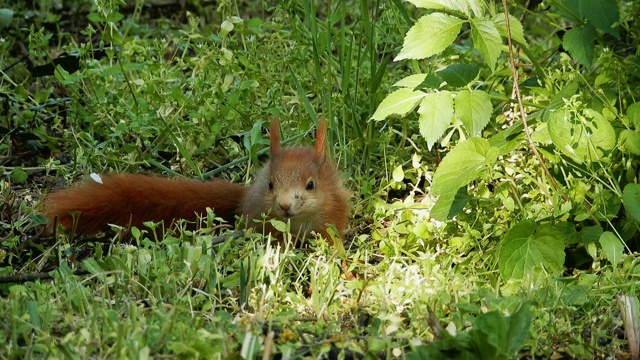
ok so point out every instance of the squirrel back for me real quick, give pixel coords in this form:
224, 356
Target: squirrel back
297, 184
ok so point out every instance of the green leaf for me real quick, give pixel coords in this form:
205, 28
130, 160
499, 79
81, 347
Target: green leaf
398, 174
115, 17
611, 247
411, 81
508, 139
463, 164
432, 81
463, 6
34, 317
517, 33
92, 266
631, 201
436, 114
430, 35
606, 205
563, 230
629, 142
18, 175
449, 205
591, 234
633, 112
603, 14
96, 18
567, 92
398, 102
486, 39
579, 43
459, 75
6, 15
518, 331
489, 334
581, 137
523, 250
474, 109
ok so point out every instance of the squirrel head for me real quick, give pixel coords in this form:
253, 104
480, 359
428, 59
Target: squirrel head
298, 185
299, 179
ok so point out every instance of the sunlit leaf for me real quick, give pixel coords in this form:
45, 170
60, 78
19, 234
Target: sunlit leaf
581, 137
436, 114
463, 164
399, 102
487, 40
611, 247
517, 33
474, 109
430, 35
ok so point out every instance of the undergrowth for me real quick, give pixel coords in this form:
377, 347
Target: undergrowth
468, 239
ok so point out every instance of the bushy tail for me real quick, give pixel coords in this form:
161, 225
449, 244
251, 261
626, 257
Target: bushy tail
130, 200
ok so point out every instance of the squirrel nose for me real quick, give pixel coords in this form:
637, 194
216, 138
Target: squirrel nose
285, 206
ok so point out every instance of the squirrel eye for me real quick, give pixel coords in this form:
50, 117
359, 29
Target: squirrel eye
270, 185
310, 185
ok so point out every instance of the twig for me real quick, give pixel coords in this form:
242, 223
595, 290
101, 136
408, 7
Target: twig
20, 279
516, 87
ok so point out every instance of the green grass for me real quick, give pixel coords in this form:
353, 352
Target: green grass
181, 97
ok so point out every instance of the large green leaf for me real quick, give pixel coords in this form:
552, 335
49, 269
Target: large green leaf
436, 114
430, 35
581, 137
523, 250
579, 43
631, 201
603, 14
517, 33
474, 109
463, 164
486, 39
398, 102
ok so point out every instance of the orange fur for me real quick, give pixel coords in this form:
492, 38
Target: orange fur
130, 199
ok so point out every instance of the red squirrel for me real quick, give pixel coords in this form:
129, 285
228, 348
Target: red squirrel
297, 184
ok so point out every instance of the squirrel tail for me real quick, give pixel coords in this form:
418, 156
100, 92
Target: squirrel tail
131, 199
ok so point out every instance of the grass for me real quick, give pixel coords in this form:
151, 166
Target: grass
180, 96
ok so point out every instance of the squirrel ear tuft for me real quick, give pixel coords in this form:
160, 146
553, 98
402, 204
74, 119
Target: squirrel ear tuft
321, 139
274, 133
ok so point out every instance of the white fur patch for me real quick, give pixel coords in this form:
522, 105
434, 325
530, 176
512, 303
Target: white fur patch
95, 177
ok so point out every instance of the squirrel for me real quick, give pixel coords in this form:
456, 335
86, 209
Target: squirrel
298, 184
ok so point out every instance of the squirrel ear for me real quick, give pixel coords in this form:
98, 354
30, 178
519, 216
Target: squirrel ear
274, 133
321, 139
